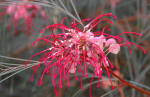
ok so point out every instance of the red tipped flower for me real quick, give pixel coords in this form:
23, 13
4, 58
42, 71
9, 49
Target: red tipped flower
73, 50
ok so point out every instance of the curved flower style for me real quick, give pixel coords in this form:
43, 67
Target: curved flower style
24, 11
73, 50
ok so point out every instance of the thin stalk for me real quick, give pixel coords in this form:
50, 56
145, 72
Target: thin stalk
126, 82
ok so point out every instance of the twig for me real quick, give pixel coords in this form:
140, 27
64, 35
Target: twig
126, 82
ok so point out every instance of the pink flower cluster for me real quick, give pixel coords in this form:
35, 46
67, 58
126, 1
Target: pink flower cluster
24, 11
73, 50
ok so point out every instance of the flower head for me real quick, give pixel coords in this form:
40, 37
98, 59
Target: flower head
25, 11
73, 50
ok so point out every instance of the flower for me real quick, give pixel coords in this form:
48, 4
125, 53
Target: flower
113, 46
25, 11
73, 50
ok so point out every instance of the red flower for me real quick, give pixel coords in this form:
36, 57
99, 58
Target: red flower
25, 11
73, 50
